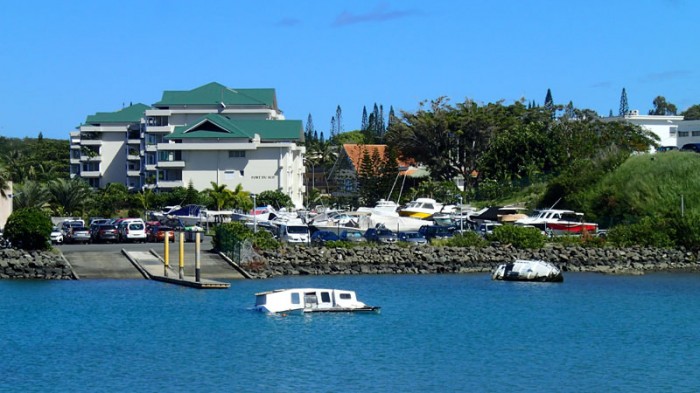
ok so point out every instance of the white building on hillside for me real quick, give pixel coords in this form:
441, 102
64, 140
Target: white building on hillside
208, 134
671, 130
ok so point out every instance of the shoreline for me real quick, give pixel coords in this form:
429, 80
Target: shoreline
392, 259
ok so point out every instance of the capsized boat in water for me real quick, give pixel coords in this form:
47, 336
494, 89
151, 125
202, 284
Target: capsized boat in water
528, 270
310, 300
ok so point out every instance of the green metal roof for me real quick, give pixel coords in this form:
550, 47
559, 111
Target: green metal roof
216, 93
130, 114
218, 126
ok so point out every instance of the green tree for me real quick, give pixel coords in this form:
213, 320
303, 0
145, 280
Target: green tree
4, 180
69, 196
549, 103
276, 199
624, 107
692, 113
31, 194
220, 195
662, 107
29, 229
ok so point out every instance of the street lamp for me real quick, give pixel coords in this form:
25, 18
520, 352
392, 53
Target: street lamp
255, 215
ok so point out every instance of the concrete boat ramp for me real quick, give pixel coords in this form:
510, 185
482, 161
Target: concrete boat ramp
136, 261
153, 267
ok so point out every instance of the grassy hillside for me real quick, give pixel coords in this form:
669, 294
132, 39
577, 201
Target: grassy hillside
648, 185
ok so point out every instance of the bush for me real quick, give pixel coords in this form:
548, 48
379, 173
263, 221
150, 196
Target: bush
646, 232
29, 229
226, 234
519, 237
263, 240
467, 239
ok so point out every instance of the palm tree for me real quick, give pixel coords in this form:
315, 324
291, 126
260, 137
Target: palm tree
16, 164
69, 196
220, 195
31, 194
145, 197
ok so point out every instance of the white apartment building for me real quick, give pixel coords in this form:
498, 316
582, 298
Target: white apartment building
672, 130
208, 134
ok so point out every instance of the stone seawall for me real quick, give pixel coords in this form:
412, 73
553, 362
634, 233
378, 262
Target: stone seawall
21, 264
292, 260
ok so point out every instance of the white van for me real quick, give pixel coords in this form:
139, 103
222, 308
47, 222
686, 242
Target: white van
294, 233
132, 229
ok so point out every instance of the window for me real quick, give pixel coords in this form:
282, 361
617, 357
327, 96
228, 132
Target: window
345, 296
695, 133
236, 154
682, 134
325, 297
295, 298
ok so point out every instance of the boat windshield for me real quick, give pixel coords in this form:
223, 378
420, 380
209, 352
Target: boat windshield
297, 229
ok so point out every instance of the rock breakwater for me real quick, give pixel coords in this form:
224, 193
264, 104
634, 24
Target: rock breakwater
394, 259
22, 264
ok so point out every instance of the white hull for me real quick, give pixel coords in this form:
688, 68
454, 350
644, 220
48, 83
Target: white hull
528, 270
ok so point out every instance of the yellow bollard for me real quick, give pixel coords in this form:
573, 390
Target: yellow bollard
182, 255
166, 252
196, 258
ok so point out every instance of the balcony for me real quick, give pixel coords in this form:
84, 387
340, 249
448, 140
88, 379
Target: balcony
151, 167
133, 141
90, 174
91, 142
151, 148
171, 164
75, 160
133, 173
84, 158
133, 157
160, 129
170, 183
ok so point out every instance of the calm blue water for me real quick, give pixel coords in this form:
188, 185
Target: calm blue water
440, 333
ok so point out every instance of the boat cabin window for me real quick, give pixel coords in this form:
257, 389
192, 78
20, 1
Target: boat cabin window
260, 300
310, 298
345, 296
297, 229
428, 206
325, 297
295, 298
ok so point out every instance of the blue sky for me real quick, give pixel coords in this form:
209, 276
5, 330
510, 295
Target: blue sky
63, 61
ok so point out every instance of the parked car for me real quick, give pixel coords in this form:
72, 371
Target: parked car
132, 230
436, 232
56, 236
67, 225
486, 228
381, 235
695, 147
662, 149
320, 238
352, 236
159, 232
78, 235
105, 233
415, 238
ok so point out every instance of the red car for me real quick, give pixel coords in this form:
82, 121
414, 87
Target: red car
157, 234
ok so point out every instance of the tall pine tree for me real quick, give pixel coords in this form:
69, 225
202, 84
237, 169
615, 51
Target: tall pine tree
364, 124
332, 131
338, 122
392, 118
549, 103
309, 130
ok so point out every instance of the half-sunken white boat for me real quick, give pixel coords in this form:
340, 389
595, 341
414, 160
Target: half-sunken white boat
528, 270
310, 300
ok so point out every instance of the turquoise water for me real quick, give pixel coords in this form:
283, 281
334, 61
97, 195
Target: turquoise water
436, 333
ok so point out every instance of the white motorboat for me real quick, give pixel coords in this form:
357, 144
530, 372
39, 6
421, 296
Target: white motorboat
383, 208
528, 270
559, 222
310, 300
422, 208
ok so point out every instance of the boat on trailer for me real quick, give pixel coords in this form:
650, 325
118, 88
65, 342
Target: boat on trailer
528, 270
310, 300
